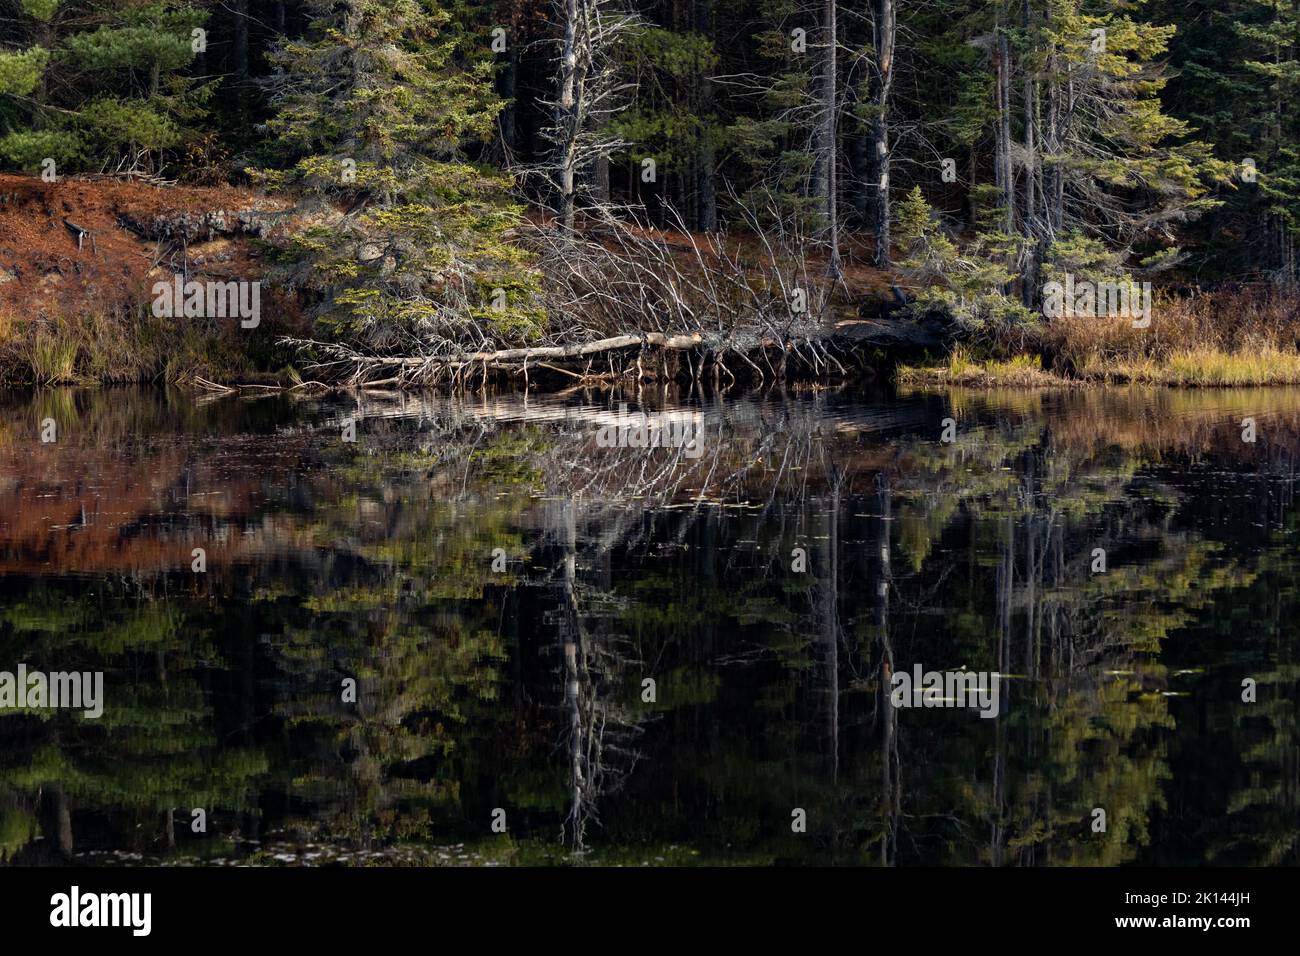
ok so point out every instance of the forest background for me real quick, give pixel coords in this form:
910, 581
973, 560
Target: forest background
429, 187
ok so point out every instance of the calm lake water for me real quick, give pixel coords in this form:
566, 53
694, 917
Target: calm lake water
501, 587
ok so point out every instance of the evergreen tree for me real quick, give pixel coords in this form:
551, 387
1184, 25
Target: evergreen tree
774, 136
1275, 45
1113, 163
100, 85
667, 72
966, 283
406, 245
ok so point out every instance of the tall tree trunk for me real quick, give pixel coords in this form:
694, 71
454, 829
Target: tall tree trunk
239, 42
860, 160
1065, 119
828, 150
707, 200
598, 171
972, 175
47, 39
1006, 175
706, 205
885, 30
1049, 178
509, 82
567, 116
1029, 278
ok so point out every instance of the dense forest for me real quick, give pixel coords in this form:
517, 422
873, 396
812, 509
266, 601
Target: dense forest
450, 186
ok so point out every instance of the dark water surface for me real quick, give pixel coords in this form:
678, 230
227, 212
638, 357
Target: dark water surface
523, 688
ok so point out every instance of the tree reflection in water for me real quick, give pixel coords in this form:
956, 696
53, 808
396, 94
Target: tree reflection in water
522, 689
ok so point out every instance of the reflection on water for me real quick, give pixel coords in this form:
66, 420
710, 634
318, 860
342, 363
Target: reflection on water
613, 645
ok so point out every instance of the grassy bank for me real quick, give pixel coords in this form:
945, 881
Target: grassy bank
1186, 368
1210, 341
78, 308
965, 369
72, 313
70, 349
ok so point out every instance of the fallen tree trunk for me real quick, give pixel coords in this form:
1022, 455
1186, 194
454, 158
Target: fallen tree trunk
811, 354
582, 350
859, 332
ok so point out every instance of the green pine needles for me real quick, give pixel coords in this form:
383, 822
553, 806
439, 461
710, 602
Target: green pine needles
406, 244
101, 86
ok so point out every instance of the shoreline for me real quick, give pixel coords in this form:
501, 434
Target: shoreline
72, 314
1196, 368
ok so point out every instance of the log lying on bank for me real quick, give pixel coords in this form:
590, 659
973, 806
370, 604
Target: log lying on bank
640, 354
541, 352
81, 233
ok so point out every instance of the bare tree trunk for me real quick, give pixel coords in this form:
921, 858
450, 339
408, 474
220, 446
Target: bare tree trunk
509, 115
1051, 140
860, 161
828, 137
239, 41
707, 202
1065, 115
885, 29
1006, 174
566, 119
598, 168
1029, 279
600, 179
972, 177
706, 206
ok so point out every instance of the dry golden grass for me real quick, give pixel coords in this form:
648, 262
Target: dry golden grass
66, 349
1209, 368
1219, 340
1019, 371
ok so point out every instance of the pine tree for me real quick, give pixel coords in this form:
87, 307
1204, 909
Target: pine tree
1112, 162
666, 72
1083, 147
101, 85
407, 244
967, 283
1275, 44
